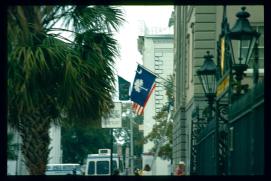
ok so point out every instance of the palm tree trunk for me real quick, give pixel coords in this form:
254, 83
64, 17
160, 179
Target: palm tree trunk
36, 140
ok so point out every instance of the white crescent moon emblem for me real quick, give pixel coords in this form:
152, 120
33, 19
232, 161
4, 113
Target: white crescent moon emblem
140, 71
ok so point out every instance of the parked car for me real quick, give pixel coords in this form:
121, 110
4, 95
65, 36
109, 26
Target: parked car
63, 169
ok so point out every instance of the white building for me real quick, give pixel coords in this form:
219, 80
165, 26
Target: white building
17, 167
157, 55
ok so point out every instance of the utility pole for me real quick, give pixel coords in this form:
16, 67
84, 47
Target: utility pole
131, 144
127, 153
111, 152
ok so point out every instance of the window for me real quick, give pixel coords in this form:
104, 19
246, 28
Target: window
78, 167
158, 54
158, 102
68, 167
260, 29
102, 167
157, 92
158, 62
49, 168
91, 168
159, 97
57, 167
159, 71
187, 59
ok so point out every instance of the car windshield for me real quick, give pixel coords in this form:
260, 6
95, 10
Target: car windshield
56, 167
71, 167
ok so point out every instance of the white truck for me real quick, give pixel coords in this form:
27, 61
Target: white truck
99, 164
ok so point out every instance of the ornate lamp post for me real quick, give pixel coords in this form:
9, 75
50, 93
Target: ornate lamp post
207, 75
242, 39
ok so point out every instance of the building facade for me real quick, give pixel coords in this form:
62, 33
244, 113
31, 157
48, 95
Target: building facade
196, 31
17, 167
157, 55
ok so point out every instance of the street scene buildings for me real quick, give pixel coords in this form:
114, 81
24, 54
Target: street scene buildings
197, 29
215, 55
157, 51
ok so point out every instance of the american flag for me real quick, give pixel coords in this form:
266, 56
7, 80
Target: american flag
143, 86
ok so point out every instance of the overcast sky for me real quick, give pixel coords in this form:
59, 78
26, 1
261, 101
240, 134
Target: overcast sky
153, 16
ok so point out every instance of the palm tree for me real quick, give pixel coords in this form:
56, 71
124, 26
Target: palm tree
50, 76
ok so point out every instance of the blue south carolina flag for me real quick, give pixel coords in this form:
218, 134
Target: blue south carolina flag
143, 86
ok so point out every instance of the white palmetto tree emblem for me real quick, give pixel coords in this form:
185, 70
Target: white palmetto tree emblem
138, 84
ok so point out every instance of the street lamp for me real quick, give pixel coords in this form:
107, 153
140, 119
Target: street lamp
132, 143
242, 39
207, 75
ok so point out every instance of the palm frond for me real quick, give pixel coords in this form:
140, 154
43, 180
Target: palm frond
97, 18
